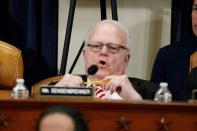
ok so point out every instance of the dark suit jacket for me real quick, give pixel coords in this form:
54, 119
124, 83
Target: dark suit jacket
145, 88
172, 66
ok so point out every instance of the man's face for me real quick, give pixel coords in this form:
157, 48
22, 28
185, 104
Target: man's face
107, 62
194, 17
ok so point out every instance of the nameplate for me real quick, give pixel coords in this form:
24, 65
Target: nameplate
65, 91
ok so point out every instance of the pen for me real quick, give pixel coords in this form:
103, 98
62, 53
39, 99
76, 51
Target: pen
96, 82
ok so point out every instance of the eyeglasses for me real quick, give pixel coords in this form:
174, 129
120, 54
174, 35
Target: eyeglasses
112, 48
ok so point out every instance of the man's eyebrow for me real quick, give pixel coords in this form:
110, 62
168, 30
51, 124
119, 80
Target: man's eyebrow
194, 5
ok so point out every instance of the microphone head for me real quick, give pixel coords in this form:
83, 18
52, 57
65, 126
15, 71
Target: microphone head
92, 69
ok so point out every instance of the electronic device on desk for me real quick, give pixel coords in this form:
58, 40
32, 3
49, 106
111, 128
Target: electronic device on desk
192, 84
194, 96
53, 91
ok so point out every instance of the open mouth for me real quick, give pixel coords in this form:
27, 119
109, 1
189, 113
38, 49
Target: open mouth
102, 62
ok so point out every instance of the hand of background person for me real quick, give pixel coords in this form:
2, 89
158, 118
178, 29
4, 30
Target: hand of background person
70, 81
122, 85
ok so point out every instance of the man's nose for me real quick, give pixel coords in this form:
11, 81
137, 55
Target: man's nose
104, 50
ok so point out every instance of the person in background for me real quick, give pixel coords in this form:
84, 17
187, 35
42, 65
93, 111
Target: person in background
173, 61
61, 118
107, 48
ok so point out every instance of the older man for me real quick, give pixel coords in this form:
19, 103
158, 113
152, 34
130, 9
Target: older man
107, 48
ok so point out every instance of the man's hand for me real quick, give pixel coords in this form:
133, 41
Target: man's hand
122, 85
70, 81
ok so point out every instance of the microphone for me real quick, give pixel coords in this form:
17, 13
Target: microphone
92, 69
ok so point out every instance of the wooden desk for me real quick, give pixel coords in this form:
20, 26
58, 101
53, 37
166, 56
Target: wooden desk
21, 115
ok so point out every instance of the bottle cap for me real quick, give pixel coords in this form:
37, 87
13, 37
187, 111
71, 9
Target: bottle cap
163, 84
20, 80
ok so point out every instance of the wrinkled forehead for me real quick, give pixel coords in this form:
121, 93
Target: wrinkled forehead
108, 32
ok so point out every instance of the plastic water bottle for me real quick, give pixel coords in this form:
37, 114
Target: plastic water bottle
163, 94
20, 91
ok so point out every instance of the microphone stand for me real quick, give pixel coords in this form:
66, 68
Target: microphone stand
114, 10
67, 36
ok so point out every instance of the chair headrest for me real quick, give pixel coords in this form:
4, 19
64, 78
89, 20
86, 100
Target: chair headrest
11, 65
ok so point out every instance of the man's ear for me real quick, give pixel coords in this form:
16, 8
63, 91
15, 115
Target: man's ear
127, 58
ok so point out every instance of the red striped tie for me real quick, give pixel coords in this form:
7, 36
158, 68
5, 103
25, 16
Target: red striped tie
99, 91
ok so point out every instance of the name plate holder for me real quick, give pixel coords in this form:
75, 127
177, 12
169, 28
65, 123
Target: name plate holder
85, 92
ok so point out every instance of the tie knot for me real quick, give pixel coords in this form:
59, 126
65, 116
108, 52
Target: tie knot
100, 86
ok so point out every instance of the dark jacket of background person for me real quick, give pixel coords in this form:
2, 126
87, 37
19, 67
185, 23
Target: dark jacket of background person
172, 66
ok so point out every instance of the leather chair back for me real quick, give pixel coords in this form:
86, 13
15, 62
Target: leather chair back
35, 89
11, 65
